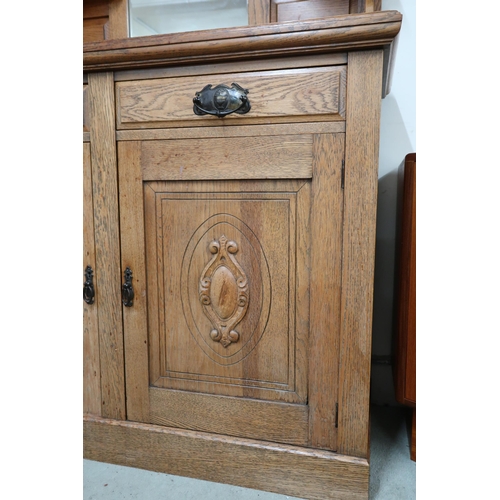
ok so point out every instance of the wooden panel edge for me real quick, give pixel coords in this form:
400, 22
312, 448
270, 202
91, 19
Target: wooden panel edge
86, 124
91, 361
118, 19
220, 68
235, 122
404, 372
257, 157
360, 205
233, 131
336, 34
135, 327
107, 243
356, 6
284, 469
242, 32
325, 290
258, 12
280, 422
301, 10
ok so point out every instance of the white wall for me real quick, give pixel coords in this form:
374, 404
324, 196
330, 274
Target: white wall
397, 134
397, 139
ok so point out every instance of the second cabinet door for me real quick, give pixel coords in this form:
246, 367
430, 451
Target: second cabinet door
235, 251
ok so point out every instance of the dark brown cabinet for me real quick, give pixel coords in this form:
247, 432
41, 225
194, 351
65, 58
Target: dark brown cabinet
406, 325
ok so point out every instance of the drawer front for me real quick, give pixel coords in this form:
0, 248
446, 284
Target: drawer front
311, 94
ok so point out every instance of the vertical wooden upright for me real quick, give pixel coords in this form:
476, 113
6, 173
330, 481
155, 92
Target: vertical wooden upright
91, 364
326, 285
134, 257
258, 12
364, 6
118, 19
107, 240
361, 179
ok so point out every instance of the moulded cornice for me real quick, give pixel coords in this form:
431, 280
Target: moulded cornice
334, 34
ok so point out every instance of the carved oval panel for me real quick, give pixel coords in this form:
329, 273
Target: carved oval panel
224, 293
225, 288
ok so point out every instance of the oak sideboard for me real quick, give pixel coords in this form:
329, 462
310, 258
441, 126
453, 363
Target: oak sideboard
230, 188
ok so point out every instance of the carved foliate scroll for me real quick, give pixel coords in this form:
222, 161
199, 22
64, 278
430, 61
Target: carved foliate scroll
224, 291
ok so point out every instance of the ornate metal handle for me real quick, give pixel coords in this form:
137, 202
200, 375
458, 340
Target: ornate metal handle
88, 286
127, 289
221, 100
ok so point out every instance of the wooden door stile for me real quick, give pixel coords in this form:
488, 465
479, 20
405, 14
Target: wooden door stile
107, 241
326, 265
91, 362
133, 257
360, 204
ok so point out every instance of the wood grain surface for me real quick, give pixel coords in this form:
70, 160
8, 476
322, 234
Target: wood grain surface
269, 220
95, 16
85, 109
336, 34
221, 67
300, 10
118, 19
133, 257
107, 241
258, 12
284, 469
104, 19
326, 266
360, 204
292, 192
364, 6
91, 362
290, 93
275, 130
249, 418
211, 159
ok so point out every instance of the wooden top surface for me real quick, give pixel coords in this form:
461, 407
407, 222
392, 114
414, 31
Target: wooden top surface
334, 34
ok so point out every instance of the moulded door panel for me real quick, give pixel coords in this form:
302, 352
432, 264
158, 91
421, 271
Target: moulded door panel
224, 286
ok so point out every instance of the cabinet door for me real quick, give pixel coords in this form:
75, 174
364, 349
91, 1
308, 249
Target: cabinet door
235, 257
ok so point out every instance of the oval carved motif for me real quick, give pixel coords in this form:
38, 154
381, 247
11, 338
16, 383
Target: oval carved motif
215, 283
223, 293
231, 289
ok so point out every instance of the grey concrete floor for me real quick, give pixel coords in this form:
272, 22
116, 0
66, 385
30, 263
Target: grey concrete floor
392, 473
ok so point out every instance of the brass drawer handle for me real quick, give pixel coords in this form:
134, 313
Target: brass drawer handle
221, 100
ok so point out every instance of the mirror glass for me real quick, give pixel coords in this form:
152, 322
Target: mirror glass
154, 17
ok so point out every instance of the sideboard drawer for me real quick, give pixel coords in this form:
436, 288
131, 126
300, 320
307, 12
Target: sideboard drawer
275, 96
